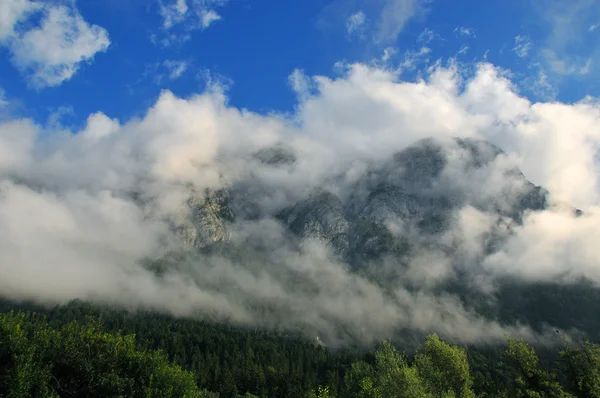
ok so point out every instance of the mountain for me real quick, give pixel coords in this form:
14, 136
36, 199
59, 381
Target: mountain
408, 194
400, 207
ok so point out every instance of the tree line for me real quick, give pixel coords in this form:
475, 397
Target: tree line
78, 350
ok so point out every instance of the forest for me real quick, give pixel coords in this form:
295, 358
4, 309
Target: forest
80, 350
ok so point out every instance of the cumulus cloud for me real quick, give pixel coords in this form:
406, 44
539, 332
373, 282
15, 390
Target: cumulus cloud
301, 84
12, 12
552, 246
91, 214
53, 50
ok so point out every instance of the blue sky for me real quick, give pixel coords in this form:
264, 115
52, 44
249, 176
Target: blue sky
136, 48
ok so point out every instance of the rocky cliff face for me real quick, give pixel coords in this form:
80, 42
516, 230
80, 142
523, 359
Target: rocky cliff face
411, 193
204, 220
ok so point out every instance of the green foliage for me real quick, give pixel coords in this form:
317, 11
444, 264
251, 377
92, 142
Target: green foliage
444, 368
439, 370
394, 378
530, 380
582, 365
80, 359
230, 360
321, 392
359, 380
77, 350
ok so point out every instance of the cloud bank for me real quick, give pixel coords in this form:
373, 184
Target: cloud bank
84, 213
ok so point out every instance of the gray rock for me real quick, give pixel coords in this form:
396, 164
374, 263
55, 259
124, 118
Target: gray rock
321, 216
204, 219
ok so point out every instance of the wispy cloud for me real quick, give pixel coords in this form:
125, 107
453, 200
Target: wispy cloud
412, 59
463, 50
3, 101
176, 68
355, 25
567, 65
378, 21
426, 37
523, 45
164, 71
173, 13
52, 50
565, 50
186, 16
396, 14
593, 27
539, 84
464, 31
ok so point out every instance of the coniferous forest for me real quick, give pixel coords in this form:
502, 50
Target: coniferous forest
78, 350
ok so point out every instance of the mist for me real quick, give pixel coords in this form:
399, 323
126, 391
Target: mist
90, 214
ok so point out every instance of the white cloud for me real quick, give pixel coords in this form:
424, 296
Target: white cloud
388, 53
167, 70
593, 27
175, 68
301, 84
523, 45
539, 84
79, 212
53, 51
464, 31
11, 12
208, 17
564, 51
3, 101
173, 13
380, 21
571, 65
412, 59
426, 37
189, 15
463, 49
395, 15
355, 24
